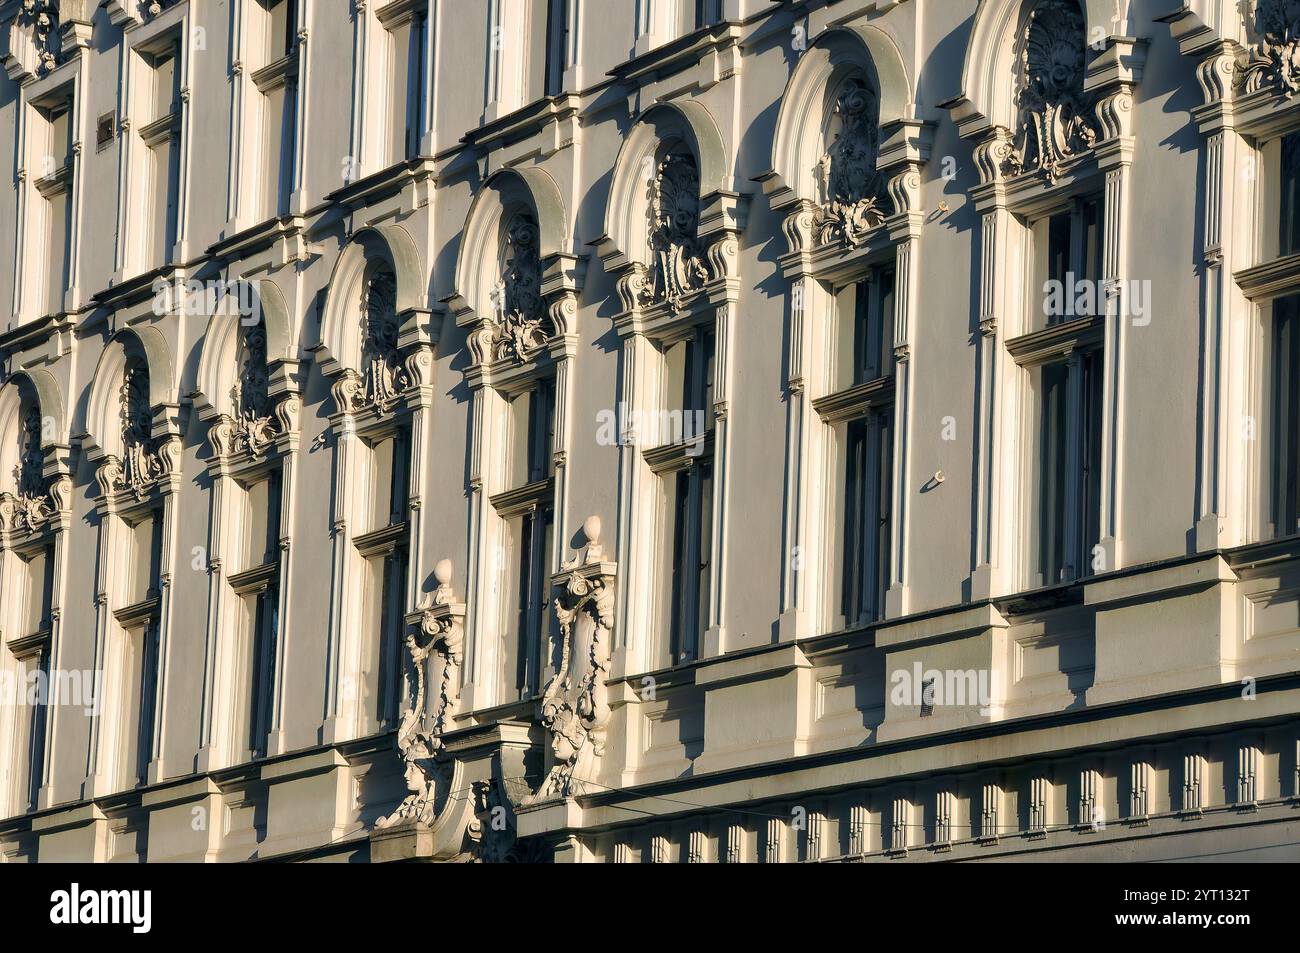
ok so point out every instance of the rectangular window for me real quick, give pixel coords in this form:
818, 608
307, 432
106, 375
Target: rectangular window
275, 77
141, 666
257, 585
147, 551
389, 480
1068, 479
161, 136
1068, 248
281, 28
528, 510
684, 462
866, 330
261, 537
1286, 415
36, 720
535, 532
861, 409
385, 574
868, 489
139, 663
256, 669
707, 12
406, 86
384, 547
29, 727
40, 591
54, 184
1289, 197
557, 45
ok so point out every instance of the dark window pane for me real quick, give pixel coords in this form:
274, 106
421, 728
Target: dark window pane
1289, 196
1053, 429
1090, 498
1286, 411
1090, 268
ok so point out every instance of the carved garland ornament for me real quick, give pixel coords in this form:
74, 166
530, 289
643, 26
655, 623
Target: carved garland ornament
1275, 61
1054, 130
852, 200
427, 771
678, 266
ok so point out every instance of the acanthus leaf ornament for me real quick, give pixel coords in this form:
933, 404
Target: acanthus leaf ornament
1054, 130
677, 265
1275, 60
853, 198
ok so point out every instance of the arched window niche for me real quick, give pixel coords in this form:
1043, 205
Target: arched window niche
133, 440
516, 297
376, 350
1047, 101
672, 235
847, 159
1246, 64
35, 499
248, 395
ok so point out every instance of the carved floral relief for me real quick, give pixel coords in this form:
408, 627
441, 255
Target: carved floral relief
256, 421
43, 18
385, 374
518, 325
853, 197
1275, 59
677, 264
1055, 129
36, 499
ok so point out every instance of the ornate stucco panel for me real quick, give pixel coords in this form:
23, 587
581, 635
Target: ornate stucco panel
1275, 60
575, 704
677, 264
853, 198
1054, 129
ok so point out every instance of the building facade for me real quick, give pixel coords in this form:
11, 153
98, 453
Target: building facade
650, 430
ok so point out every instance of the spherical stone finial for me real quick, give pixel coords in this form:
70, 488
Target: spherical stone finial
443, 572
591, 529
